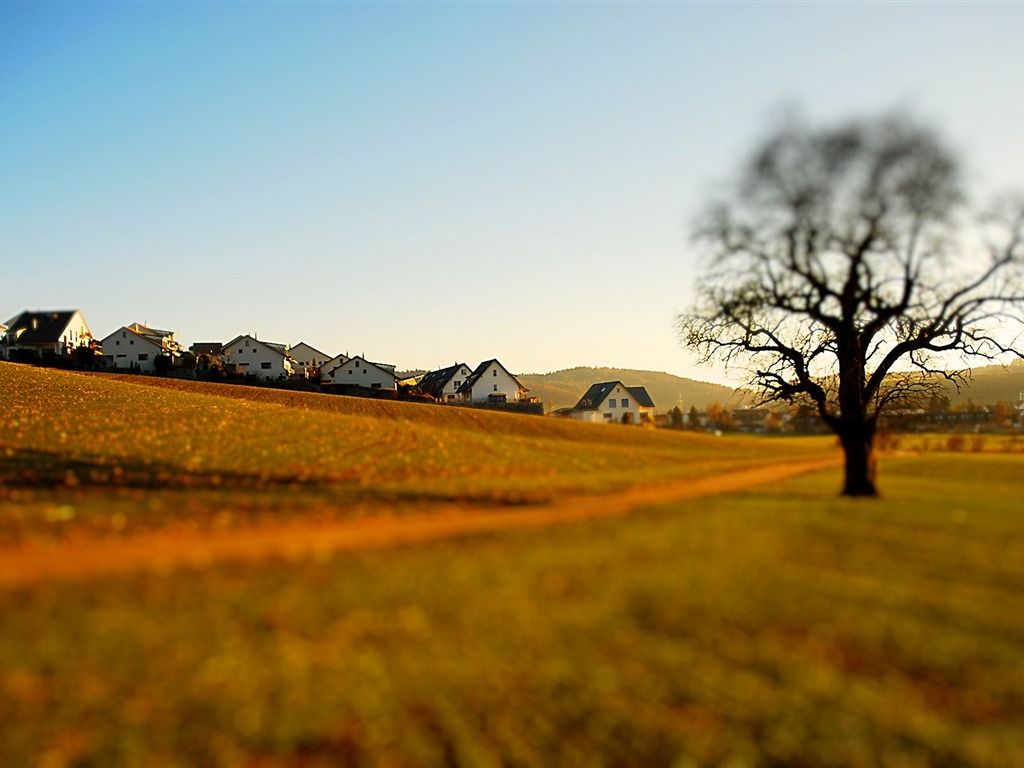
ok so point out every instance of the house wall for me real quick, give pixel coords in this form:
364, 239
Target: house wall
494, 381
589, 416
450, 389
75, 335
124, 347
251, 357
607, 413
358, 373
331, 365
307, 358
614, 414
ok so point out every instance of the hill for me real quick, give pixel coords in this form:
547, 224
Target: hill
990, 384
563, 389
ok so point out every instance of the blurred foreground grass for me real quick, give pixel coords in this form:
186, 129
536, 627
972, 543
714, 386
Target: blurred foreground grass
777, 627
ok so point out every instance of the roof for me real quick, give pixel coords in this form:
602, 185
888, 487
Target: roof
467, 385
383, 367
295, 350
39, 327
432, 383
155, 341
597, 394
642, 398
281, 349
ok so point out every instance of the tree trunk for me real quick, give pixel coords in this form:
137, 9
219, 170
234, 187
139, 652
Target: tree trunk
857, 440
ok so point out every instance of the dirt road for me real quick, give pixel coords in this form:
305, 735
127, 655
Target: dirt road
166, 551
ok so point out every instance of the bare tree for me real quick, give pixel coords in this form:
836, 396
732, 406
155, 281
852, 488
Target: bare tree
839, 276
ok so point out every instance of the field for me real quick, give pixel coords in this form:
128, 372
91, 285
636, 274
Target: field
776, 626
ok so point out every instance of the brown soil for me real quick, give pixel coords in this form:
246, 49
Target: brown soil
166, 551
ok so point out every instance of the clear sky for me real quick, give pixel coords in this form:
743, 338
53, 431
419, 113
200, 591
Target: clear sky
425, 183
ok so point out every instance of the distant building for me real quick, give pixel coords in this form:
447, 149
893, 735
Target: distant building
139, 346
360, 372
308, 360
327, 369
491, 383
47, 334
613, 401
444, 384
249, 356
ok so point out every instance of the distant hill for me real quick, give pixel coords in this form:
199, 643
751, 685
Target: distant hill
563, 389
990, 384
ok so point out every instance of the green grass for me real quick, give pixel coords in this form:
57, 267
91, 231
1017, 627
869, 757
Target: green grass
778, 627
119, 454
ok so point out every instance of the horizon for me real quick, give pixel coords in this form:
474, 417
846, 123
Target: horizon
437, 182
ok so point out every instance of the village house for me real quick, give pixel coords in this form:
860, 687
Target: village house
139, 346
491, 383
308, 360
46, 334
613, 401
360, 372
327, 369
248, 356
444, 384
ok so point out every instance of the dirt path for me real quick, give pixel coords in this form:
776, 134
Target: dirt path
166, 551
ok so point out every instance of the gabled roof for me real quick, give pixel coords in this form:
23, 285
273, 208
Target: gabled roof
153, 334
432, 383
39, 327
295, 349
129, 329
281, 349
642, 398
467, 385
382, 367
598, 393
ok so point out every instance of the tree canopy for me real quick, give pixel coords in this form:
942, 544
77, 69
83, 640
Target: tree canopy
840, 272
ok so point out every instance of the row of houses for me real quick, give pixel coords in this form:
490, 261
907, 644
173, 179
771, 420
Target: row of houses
141, 348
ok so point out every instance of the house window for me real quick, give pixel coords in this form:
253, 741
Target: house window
132, 342
611, 403
495, 387
265, 366
124, 334
349, 371
364, 371
254, 350
494, 372
239, 350
456, 383
375, 386
118, 342
608, 416
143, 357
625, 403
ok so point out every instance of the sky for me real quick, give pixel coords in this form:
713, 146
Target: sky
429, 183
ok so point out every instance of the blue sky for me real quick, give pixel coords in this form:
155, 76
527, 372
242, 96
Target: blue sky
431, 182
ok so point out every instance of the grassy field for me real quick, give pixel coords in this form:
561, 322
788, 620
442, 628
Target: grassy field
118, 454
776, 627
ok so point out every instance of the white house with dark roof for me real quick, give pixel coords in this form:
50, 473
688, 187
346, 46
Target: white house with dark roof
491, 383
613, 401
328, 368
139, 345
307, 359
360, 372
54, 333
249, 356
444, 384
